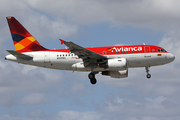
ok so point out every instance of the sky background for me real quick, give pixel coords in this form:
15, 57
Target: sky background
32, 93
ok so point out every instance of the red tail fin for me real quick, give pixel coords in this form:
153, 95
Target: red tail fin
23, 40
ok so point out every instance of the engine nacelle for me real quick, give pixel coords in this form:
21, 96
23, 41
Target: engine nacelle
116, 74
80, 67
116, 64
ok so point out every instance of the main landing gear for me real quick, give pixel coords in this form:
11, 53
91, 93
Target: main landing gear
147, 71
92, 77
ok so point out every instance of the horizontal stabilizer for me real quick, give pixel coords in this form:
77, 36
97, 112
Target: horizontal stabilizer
20, 55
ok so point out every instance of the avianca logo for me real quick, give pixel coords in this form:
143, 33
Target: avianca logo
121, 49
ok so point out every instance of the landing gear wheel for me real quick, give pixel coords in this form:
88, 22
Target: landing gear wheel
93, 81
92, 77
148, 75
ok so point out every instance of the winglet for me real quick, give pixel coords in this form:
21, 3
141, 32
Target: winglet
62, 41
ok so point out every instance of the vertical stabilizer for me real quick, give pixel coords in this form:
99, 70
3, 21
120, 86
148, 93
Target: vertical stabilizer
23, 40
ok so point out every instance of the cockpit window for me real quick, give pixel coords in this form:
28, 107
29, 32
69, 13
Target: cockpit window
161, 50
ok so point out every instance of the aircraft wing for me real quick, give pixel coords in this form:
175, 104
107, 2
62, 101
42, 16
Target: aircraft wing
83, 53
20, 55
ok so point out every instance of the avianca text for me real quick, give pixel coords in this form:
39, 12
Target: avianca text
121, 49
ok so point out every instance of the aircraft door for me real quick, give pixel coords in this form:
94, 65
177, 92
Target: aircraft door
147, 51
46, 57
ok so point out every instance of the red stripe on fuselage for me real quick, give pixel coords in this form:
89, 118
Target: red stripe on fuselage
113, 50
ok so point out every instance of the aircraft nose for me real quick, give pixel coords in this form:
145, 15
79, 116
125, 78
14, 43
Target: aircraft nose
171, 57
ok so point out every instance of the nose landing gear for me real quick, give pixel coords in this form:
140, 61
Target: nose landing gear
147, 71
92, 77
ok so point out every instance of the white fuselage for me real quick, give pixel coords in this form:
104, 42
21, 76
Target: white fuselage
70, 61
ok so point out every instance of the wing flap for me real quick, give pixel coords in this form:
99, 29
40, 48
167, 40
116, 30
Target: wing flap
20, 55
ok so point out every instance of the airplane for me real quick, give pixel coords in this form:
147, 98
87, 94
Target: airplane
112, 61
